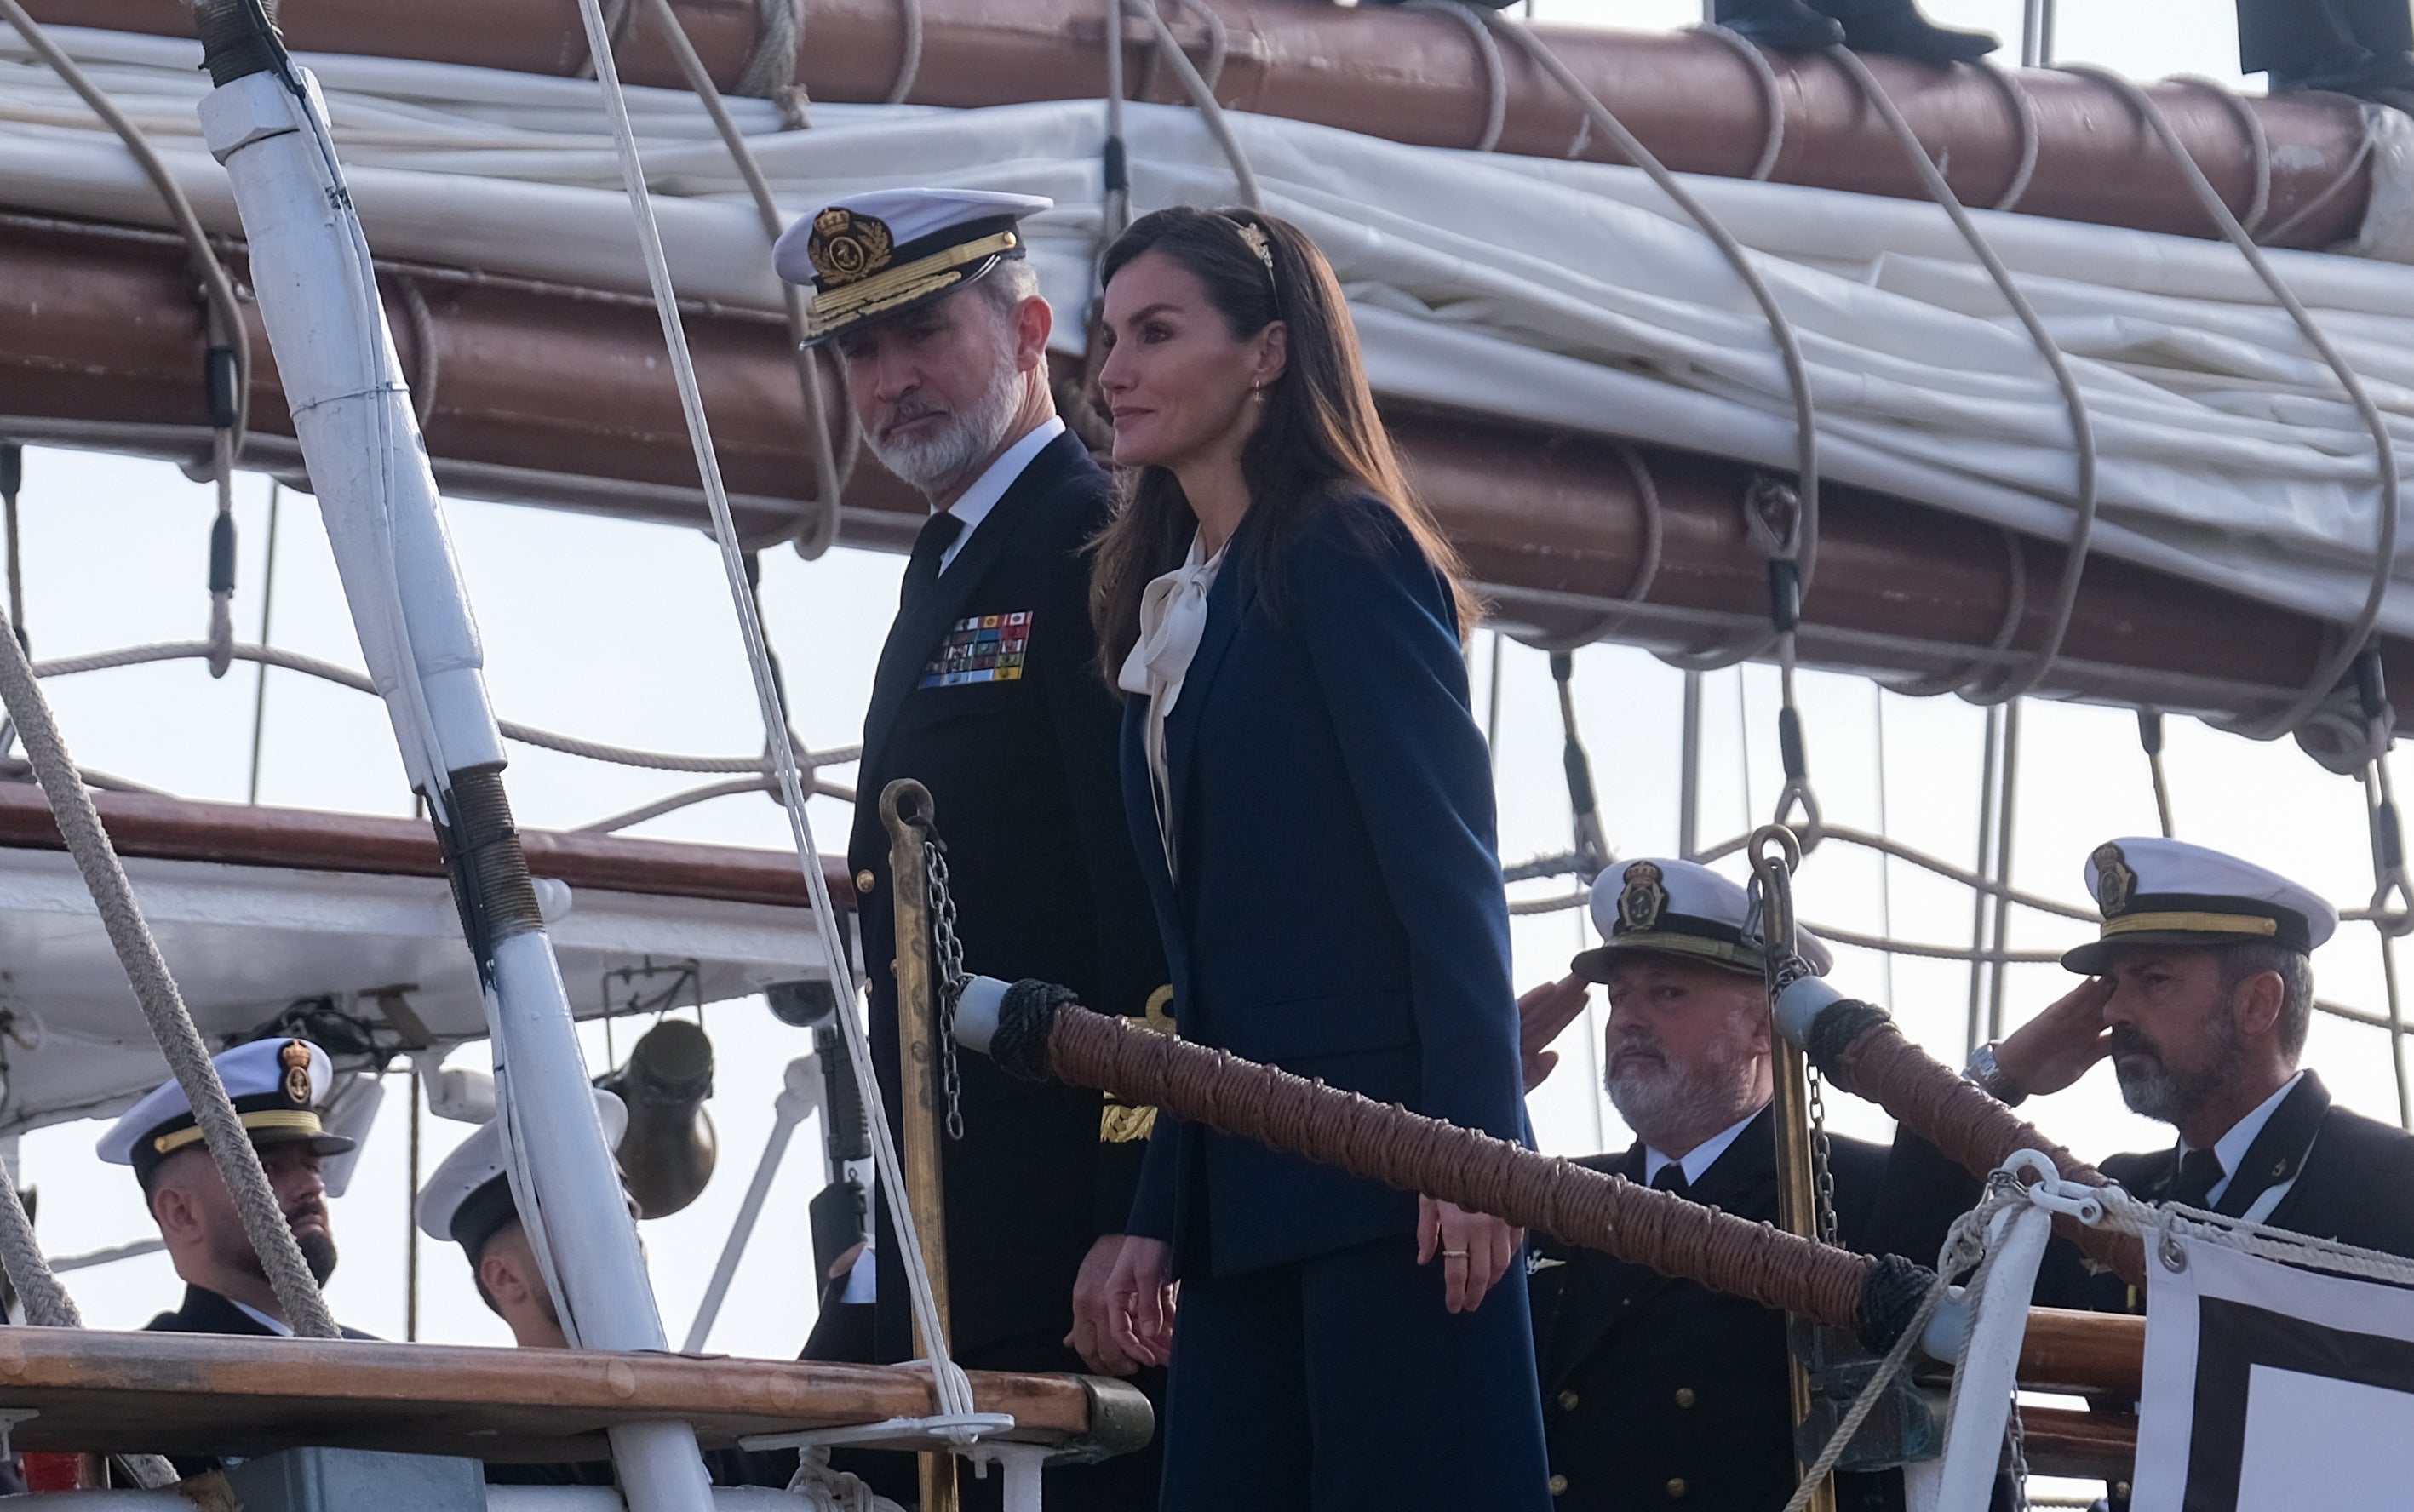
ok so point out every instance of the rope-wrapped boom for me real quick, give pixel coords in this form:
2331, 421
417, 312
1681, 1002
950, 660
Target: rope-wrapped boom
1859, 1050
1043, 1034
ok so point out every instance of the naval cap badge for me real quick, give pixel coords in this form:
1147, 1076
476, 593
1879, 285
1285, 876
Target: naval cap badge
1643, 899
295, 1058
846, 247
2116, 884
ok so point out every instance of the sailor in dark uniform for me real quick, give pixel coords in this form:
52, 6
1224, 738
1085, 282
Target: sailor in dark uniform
2198, 992
1658, 1393
277, 1087
2363, 48
988, 693
469, 1201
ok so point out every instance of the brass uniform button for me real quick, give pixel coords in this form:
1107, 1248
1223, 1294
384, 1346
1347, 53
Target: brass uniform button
1685, 1396
864, 881
1567, 1401
1558, 1485
1677, 1488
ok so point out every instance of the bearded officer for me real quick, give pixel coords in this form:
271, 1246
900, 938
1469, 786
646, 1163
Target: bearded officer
278, 1088
2200, 991
1659, 1393
988, 692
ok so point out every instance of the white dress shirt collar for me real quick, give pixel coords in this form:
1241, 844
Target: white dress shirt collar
1697, 1161
991, 487
2232, 1148
276, 1325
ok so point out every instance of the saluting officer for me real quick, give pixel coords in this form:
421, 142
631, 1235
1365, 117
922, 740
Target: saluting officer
988, 692
277, 1087
1659, 1393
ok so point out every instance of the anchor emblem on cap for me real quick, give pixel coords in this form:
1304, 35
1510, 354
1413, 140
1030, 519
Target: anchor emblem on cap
2115, 884
846, 247
1643, 898
295, 1057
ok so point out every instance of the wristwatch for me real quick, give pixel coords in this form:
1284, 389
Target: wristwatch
1990, 1077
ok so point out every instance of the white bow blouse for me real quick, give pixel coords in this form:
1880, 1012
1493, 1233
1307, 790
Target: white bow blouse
1172, 618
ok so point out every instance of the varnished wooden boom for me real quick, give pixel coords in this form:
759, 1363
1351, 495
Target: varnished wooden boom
194, 1394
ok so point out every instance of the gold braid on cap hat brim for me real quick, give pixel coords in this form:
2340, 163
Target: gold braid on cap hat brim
885, 292
296, 1121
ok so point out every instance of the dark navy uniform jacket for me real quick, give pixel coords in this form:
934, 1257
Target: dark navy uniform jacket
2354, 1184
1340, 911
1659, 1393
1021, 765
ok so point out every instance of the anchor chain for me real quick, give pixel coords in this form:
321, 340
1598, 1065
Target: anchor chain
949, 952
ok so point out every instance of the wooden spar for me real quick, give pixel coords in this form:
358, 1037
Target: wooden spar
194, 1394
178, 829
1418, 78
2083, 1446
560, 397
906, 812
2083, 1353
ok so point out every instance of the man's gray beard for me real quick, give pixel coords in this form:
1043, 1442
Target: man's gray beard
1656, 1100
2154, 1090
935, 463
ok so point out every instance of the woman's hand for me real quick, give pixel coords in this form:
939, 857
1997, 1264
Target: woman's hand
2055, 1048
1476, 1249
1541, 1015
1140, 1302
1093, 1337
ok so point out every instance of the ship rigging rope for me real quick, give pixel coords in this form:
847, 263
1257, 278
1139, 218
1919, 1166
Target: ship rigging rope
2330, 668
2083, 425
1805, 535
226, 311
818, 530
274, 656
1202, 98
155, 989
1496, 75
950, 1390
1772, 93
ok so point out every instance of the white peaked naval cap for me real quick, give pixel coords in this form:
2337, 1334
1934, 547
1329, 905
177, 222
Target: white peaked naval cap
278, 1088
470, 1196
880, 254
1680, 908
2157, 892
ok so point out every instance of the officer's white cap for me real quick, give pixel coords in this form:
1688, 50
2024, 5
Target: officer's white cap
1680, 908
2157, 891
277, 1088
470, 1196
880, 254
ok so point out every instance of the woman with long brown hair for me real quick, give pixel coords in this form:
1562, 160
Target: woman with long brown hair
1313, 804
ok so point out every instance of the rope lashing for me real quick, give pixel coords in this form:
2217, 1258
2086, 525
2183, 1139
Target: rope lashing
1043, 1034
818, 530
2082, 426
1858, 1047
163, 1005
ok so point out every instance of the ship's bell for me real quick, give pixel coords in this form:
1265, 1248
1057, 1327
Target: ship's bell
667, 1154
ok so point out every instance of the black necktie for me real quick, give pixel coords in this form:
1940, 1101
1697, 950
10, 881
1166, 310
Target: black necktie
1671, 1180
937, 534
2200, 1170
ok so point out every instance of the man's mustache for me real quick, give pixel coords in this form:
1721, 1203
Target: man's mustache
2128, 1040
907, 410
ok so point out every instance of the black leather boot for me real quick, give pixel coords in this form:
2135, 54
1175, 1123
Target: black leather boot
1781, 25
1896, 28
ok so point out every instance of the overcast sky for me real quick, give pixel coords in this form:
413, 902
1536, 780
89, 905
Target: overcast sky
623, 633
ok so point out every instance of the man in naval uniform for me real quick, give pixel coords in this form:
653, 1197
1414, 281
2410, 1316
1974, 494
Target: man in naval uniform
277, 1087
469, 1201
1658, 1393
2200, 991
988, 692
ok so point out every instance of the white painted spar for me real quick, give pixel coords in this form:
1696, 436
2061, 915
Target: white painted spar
369, 465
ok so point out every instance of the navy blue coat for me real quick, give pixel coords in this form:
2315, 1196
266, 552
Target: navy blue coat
1339, 911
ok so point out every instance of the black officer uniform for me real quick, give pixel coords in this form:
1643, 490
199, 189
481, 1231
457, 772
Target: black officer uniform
2348, 1178
2323, 44
989, 693
1660, 1393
